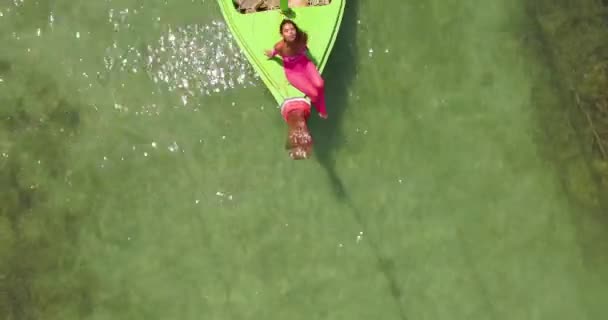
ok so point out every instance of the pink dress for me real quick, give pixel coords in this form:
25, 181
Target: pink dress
295, 104
303, 75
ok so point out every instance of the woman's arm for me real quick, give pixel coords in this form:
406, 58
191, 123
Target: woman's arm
275, 50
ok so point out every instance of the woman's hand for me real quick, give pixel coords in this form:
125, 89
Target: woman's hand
269, 53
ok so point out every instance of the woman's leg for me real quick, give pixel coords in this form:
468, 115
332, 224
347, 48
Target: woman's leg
298, 78
315, 78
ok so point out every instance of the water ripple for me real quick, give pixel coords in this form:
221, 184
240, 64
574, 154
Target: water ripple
8, 9
191, 60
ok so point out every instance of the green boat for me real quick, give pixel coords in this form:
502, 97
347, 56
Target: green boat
258, 31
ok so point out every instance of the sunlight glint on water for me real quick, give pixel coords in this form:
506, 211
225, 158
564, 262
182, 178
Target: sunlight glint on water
192, 60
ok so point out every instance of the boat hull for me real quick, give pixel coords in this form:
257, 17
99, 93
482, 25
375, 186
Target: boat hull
259, 31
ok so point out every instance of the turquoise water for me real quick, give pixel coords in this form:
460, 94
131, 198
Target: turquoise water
144, 174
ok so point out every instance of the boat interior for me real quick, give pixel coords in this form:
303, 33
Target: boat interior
253, 6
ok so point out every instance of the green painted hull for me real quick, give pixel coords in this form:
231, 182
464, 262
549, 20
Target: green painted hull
257, 32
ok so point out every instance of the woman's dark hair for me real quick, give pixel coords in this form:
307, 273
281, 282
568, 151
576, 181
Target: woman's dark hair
299, 33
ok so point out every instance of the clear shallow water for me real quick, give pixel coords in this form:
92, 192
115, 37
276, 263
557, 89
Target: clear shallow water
145, 175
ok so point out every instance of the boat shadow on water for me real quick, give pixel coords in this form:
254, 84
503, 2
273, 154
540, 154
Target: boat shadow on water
339, 74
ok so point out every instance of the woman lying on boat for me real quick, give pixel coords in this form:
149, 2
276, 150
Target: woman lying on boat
299, 141
299, 69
